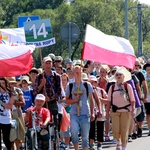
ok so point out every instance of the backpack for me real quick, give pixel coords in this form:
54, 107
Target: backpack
114, 107
71, 86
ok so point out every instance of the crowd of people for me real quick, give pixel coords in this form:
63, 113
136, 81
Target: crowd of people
96, 97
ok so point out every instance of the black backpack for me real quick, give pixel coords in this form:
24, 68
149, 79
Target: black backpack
71, 86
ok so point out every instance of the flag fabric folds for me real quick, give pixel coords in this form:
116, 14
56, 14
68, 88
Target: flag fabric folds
15, 60
107, 49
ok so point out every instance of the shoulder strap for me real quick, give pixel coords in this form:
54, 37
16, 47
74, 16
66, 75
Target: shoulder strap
87, 90
125, 86
17, 90
102, 92
39, 77
54, 74
70, 90
112, 90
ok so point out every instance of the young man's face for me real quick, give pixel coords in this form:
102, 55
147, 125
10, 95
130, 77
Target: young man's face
77, 72
148, 70
47, 65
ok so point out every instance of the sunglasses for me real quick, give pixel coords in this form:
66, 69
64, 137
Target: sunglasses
137, 65
118, 74
113, 72
57, 60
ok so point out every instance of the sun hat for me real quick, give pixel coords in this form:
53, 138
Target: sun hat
26, 78
79, 63
58, 58
11, 79
35, 70
92, 78
40, 97
106, 68
52, 56
47, 58
121, 70
115, 68
84, 76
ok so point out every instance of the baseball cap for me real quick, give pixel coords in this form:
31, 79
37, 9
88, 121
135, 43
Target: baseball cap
68, 60
40, 97
47, 58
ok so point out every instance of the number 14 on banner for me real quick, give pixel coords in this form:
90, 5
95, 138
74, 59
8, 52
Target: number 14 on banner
38, 30
39, 33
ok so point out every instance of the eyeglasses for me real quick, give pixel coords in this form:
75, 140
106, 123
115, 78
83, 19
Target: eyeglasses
137, 65
118, 74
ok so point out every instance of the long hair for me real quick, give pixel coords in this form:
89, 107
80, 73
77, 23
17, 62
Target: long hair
7, 89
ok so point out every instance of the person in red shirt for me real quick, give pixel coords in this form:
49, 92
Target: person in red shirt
43, 115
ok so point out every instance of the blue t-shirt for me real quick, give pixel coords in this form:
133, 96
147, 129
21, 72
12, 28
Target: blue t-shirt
28, 99
85, 108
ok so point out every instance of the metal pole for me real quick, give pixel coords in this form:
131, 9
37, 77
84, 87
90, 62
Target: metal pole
70, 50
139, 30
126, 20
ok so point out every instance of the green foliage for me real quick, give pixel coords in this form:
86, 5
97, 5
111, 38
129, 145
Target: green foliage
106, 15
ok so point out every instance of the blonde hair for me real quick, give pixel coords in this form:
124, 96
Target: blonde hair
77, 66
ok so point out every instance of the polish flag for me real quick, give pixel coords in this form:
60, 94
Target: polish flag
15, 60
107, 49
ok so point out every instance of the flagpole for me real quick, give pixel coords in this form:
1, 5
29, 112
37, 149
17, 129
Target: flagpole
43, 77
40, 55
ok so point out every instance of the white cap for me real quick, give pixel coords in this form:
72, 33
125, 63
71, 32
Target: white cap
92, 78
40, 97
45, 59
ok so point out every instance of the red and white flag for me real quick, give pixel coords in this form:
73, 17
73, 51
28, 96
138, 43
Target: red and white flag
15, 60
107, 49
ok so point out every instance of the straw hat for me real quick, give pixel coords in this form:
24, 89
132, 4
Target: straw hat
84, 76
11, 79
35, 70
121, 70
106, 68
26, 78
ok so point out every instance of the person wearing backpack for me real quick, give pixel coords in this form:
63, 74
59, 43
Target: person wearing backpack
81, 112
121, 106
49, 84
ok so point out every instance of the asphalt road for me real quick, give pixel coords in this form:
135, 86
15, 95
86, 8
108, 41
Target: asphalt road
142, 143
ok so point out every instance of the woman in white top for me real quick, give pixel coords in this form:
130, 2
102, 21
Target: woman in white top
121, 106
6, 103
